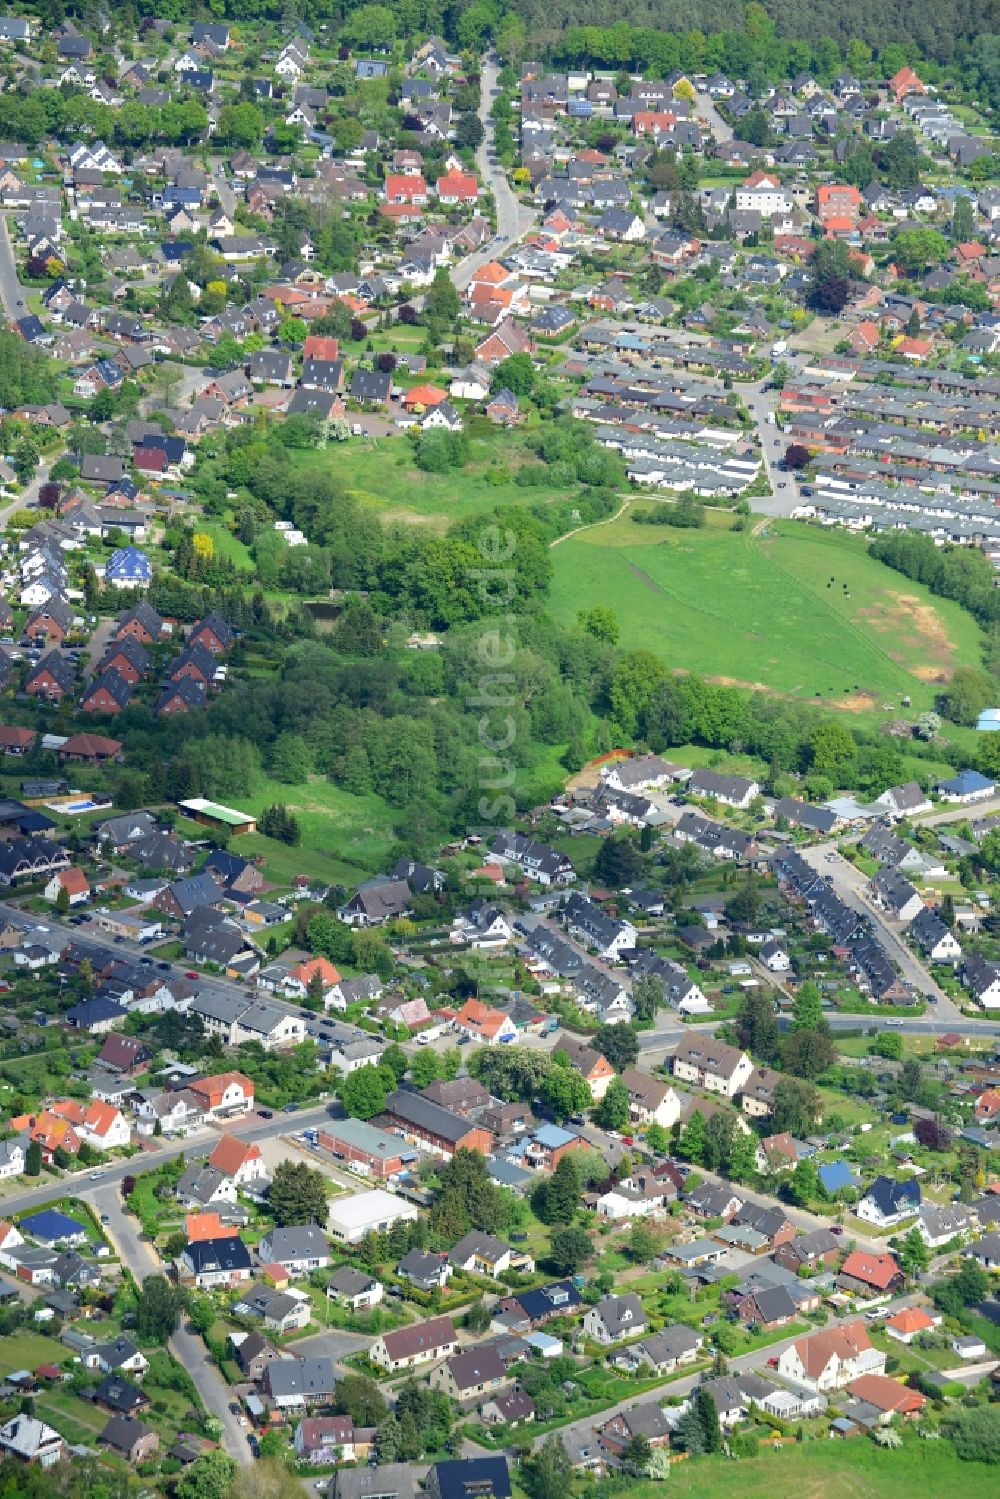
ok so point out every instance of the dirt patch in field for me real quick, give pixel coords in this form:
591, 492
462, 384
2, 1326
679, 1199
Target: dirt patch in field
644, 578
932, 674
915, 624
855, 702
747, 686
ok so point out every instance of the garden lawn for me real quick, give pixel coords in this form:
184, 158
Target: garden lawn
827, 1469
790, 609
226, 544
26, 1350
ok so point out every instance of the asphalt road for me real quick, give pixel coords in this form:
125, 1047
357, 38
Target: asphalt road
12, 294
756, 1361
514, 218
141, 1259
710, 117
850, 883
213, 983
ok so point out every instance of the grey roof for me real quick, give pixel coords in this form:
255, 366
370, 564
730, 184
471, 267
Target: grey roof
387, 1481
297, 1242
670, 1343
307, 1378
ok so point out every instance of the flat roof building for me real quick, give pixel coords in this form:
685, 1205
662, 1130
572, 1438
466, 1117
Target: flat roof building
363, 1144
353, 1217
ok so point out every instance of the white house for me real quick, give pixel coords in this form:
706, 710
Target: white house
104, 1127
832, 1358
73, 881
774, 956
984, 981
763, 199
651, 1099
712, 1065
11, 1162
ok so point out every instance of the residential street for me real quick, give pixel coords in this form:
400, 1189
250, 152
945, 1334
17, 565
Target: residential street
756, 1361
187, 1347
849, 883
513, 218
12, 293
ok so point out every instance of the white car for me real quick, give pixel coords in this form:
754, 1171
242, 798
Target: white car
96, 1176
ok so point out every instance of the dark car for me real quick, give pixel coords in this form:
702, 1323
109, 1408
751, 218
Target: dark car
265, 1113
290, 1108
163, 967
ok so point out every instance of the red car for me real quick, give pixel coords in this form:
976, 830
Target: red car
628, 1139
190, 975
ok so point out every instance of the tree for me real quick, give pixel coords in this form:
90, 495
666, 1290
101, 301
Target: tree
360, 1398
915, 250
963, 221
797, 1107
807, 1010
803, 1184
742, 1163
556, 1199
210, 1476
395, 1058
570, 1248
33, 1159
913, 1254
298, 1194
649, 994
62, 900
565, 1092
832, 746
202, 1314
966, 695
642, 1242
618, 862
830, 268
693, 1140
618, 1044
240, 125
637, 1454
515, 373
796, 456
601, 622
688, 1434
757, 1025
158, 1309
548, 1474
808, 1053
708, 1416
364, 1092
975, 1434
442, 301
613, 1110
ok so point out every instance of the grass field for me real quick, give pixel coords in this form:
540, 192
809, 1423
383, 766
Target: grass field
344, 837
790, 609
227, 545
380, 472
828, 1469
